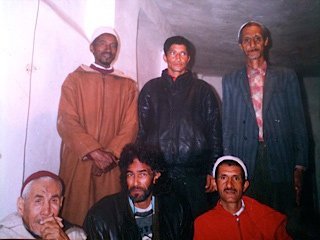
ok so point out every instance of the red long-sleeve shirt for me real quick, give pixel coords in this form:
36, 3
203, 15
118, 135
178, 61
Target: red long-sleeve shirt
257, 221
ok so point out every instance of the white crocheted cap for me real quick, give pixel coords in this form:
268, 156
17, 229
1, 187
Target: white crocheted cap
245, 24
102, 30
231, 158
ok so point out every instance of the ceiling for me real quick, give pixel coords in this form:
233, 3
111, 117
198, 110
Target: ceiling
212, 26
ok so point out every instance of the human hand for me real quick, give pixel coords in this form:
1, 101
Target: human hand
102, 159
52, 229
210, 187
298, 177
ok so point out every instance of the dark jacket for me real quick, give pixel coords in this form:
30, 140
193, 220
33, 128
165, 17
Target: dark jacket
112, 218
183, 118
284, 127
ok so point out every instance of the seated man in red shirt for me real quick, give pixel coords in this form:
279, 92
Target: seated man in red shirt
236, 216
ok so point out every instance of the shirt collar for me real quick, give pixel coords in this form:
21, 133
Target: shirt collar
240, 210
31, 232
134, 209
101, 67
261, 70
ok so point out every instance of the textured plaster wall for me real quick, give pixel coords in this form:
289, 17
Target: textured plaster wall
143, 31
30, 142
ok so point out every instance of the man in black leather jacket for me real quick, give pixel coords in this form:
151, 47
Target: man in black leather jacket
180, 114
144, 209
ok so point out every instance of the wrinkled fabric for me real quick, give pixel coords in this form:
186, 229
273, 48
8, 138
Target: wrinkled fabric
112, 218
284, 126
12, 227
257, 221
183, 118
95, 111
256, 82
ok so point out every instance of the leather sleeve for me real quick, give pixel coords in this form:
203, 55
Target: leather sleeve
144, 111
95, 229
213, 128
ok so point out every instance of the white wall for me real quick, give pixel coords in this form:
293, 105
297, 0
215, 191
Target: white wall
215, 81
149, 53
30, 142
143, 30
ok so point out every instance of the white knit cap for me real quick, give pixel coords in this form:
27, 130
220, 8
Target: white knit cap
245, 24
232, 158
101, 30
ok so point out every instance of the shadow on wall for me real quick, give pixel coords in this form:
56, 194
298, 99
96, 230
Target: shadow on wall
309, 211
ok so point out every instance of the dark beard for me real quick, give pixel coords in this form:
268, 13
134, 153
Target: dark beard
146, 193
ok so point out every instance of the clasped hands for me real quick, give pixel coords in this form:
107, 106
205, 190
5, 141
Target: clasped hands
103, 161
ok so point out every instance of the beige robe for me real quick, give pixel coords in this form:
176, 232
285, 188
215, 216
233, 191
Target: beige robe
95, 111
12, 227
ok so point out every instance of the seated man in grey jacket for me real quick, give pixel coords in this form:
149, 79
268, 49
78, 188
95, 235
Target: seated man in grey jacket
145, 209
37, 211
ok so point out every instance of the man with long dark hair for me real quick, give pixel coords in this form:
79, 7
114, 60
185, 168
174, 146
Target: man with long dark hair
145, 209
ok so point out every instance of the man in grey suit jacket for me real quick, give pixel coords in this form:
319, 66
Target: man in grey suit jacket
264, 124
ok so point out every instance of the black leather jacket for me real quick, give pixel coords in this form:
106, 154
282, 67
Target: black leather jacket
183, 118
112, 218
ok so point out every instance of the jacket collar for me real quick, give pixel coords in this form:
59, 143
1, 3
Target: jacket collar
181, 81
245, 88
269, 87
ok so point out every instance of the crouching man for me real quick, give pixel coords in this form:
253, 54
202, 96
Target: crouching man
37, 211
144, 209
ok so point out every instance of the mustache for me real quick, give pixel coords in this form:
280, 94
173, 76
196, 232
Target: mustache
136, 188
107, 52
230, 189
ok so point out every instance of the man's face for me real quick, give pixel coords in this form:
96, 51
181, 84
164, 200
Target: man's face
44, 200
104, 49
140, 181
177, 59
230, 184
253, 45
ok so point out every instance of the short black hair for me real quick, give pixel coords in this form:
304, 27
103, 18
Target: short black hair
180, 40
231, 163
145, 153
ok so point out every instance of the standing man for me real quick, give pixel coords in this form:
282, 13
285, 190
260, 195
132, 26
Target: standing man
180, 114
145, 209
38, 208
263, 122
237, 216
97, 117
